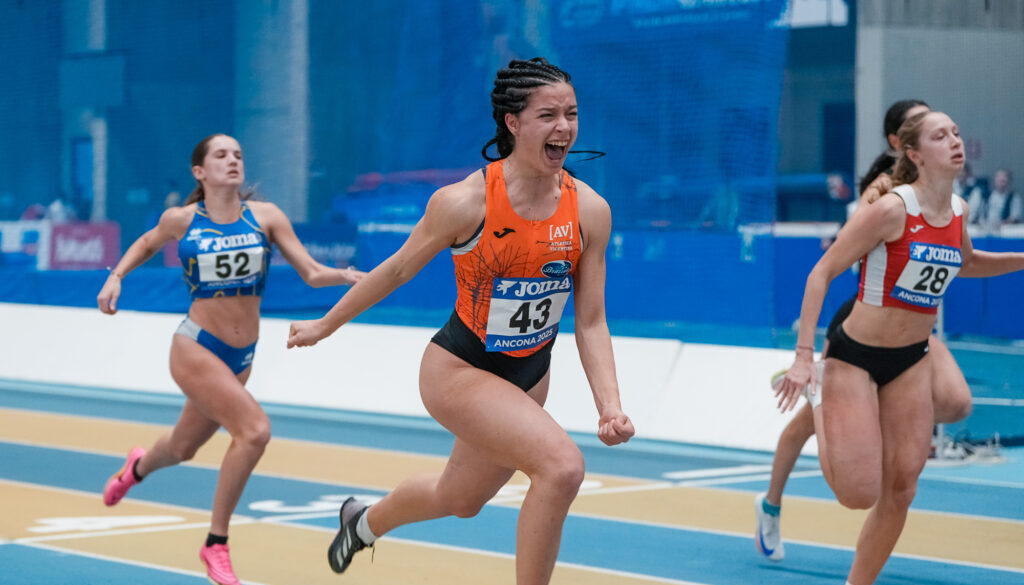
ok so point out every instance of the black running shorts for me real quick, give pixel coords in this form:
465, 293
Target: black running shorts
524, 372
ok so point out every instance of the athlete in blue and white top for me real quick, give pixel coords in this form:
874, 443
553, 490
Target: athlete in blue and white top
225, 244
224, 259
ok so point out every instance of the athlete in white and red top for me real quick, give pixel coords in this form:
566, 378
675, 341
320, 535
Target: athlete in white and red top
872, 444
914, 271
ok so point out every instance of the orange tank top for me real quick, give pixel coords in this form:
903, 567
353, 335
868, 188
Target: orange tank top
515, 275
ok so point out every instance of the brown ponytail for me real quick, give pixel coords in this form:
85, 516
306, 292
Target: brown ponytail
909, 135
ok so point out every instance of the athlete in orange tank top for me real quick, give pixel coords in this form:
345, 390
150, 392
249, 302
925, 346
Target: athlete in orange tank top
485, 374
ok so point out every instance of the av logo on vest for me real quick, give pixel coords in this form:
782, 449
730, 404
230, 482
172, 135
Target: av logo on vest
560, 232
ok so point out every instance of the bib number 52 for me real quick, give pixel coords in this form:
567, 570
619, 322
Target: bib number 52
232, 265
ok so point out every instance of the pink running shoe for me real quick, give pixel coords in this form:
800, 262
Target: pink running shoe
120, 482
217, 559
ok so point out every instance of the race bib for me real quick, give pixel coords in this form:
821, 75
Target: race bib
927, 274
230, 267
525, 311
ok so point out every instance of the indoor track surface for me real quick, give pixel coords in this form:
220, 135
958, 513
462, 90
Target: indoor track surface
649, 512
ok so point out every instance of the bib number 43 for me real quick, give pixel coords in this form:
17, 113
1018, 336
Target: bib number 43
525, 312
523, 321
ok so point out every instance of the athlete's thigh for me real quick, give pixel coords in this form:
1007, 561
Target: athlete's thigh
905, 412
501, 422
849, 409
211, 386
474, 474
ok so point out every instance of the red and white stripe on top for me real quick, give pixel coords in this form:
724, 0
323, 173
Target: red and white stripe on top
914, 271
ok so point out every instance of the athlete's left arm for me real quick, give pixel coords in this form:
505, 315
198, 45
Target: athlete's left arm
592, 336
280, 231
981, 264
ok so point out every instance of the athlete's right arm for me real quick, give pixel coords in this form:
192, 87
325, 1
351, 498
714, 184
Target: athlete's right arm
172, 225
882, 221
452, 212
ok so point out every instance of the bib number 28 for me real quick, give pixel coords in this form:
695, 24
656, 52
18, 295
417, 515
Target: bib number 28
933, 279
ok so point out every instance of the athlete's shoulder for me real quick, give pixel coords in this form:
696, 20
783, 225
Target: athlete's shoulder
458, 205
460, 193
884, 219
266, 213
261, 205
174, 217
595, 214
174, 222
890, 204
589, 199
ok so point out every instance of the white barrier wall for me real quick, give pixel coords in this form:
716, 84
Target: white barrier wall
693, 393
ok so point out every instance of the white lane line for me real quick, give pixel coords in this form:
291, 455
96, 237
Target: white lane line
588, 568
121, 531
716, 472
122, 561
998, 401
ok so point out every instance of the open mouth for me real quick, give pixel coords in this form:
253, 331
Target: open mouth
556, 149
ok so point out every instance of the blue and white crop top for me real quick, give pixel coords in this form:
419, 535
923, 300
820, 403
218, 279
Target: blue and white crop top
224, 259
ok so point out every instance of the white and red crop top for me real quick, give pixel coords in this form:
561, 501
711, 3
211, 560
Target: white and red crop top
914, 271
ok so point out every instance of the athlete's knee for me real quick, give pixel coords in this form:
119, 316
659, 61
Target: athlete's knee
904, 496
563, 470
464, 506
857, 493
901, 491
953, 408
960, 409
862, 498
255, 434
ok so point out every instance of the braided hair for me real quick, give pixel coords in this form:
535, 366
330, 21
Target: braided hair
894, 118
512, 87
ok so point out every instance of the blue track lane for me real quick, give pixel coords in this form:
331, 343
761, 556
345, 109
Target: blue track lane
28, 565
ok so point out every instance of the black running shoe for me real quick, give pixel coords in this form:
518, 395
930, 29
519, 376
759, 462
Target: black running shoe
346, 543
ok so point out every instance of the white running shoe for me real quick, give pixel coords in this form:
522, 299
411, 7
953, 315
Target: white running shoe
768, 538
